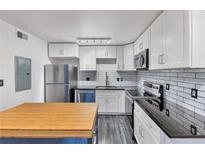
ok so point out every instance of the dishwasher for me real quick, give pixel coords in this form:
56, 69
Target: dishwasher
129, 106
85, 96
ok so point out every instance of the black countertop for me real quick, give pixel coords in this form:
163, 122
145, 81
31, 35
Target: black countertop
168, 124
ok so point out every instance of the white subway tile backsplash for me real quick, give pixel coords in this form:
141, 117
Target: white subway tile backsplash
199, 111
200, 75
186, 85
200, 87
188, 110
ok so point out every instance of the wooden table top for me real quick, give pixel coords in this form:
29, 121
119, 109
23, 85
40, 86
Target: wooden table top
49, 120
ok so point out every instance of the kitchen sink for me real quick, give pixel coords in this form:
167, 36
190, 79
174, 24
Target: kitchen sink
106, 87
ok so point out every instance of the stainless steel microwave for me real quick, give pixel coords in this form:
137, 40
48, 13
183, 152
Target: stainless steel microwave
142, 60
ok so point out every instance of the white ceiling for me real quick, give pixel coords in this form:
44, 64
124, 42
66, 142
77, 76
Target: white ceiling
60, 26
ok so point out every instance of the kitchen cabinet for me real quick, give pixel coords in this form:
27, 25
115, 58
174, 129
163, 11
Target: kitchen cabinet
175, 55
120, 59
105, 52
128, 52
64, 50
156, 42
167, 41
110, 101
145, 130
87, 58
142, 42
176, 40
136, 45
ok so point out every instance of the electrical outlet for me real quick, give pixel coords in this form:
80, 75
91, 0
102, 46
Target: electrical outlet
167, 86
193, 129
167, 112
121, 79
118, 79
1, 83
194, 93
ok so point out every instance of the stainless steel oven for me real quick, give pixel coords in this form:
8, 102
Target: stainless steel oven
142, 60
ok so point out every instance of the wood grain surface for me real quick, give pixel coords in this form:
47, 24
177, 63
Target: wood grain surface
49, 120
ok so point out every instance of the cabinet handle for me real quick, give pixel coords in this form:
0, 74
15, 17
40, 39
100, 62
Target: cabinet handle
142, 132
159, 59
163, 58
141, 45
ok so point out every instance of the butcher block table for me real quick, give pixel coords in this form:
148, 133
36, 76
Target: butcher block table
49, 123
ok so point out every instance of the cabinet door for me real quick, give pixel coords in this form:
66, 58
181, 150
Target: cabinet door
101, 101
120, 58
137, 129
87, 59
63, 50
129, 57
112, 103
71, 50
92, 59
156, 43
121, 102
146, 39
136, 45
140, 44
174, 39
111, 52
101, 52
56, 50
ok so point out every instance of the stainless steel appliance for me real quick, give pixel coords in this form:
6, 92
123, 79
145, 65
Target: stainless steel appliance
142, 60
151, 92
60, 81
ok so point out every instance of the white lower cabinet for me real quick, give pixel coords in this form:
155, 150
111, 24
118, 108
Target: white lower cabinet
145, 130
110, 101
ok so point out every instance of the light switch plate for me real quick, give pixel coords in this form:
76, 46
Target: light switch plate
1, 83
167, 86
194, 93
193, 129
167, 112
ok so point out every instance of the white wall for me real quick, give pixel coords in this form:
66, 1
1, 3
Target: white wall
34, 48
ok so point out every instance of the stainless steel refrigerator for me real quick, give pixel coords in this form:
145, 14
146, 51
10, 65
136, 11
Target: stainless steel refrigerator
60, 81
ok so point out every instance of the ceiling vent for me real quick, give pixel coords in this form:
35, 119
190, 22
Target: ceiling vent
22, 35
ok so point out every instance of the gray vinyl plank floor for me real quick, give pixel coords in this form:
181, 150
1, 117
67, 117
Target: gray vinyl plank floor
114, 129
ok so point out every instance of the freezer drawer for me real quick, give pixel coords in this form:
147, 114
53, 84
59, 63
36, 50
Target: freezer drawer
57, 93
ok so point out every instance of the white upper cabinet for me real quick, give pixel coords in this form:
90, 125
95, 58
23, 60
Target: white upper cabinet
136, 51
105, 52
197, 33
128, 52
142, 42
156, 43
65, 50
120, 59
175, 55
177, 41
87, 58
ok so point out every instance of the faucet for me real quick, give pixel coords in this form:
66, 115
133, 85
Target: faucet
106, 79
